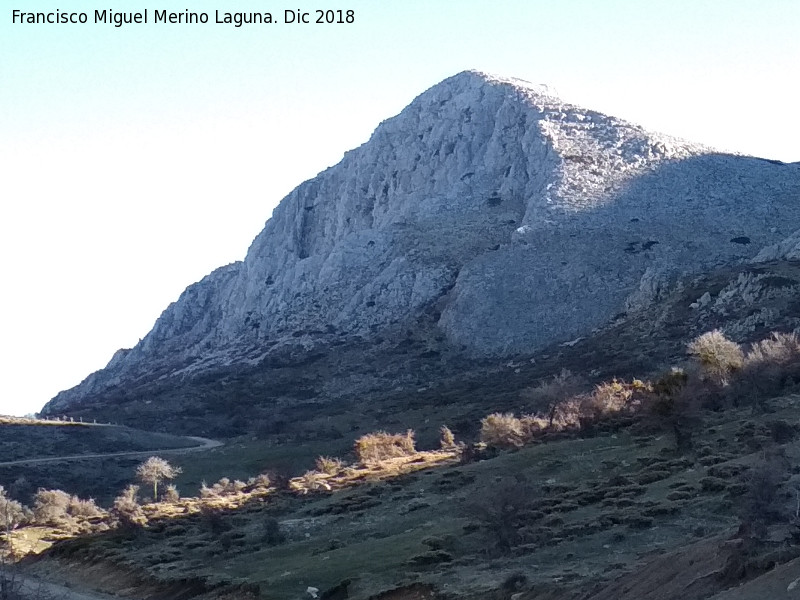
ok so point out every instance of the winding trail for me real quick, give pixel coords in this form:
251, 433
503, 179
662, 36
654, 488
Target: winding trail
205, 444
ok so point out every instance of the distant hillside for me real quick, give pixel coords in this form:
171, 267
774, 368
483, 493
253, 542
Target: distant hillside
33, 441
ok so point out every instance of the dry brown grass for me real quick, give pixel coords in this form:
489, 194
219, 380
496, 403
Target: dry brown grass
376, 471
311, 481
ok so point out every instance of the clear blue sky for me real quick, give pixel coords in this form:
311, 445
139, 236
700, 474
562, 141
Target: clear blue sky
134, 160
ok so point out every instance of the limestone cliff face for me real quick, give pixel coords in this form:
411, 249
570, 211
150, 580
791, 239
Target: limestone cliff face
524, 219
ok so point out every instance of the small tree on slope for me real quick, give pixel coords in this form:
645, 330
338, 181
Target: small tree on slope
154, 470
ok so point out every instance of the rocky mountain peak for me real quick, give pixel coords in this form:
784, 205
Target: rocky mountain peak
512, 217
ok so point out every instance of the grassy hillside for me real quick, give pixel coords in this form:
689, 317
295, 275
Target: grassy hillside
569, 515
688, 491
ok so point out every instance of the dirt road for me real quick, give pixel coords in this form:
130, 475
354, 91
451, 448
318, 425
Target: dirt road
205, 444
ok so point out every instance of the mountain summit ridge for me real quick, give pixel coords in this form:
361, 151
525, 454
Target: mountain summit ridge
517, 218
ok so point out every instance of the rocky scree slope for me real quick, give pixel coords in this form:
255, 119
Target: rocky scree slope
519, 219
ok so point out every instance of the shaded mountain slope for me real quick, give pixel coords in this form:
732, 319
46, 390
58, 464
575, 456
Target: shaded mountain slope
414, 378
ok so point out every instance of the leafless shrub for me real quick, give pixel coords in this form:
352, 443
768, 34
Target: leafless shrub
470, 453
84, 509
378, 446
576, 412
58, 509
675, 404
533, 425
271, 532
171, 494
546, 397
502, 513
765, 500
236, 487
670, 383
718, 356
500, 430
12, 513
207, 492
567, 414
611, 397
770, 367
563, 405
780, 348
608, 400
447, 440
127, 509
223, 487
261, 480
328, 465
310, 481
213, 519
50, 507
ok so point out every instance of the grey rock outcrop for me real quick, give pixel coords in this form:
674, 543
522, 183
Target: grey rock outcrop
786, 249
523, 219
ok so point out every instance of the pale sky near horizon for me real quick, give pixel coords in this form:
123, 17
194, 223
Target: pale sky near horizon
135, 160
